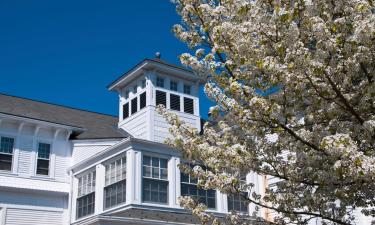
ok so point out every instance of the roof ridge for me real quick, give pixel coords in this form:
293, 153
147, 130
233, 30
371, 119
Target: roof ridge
59, 105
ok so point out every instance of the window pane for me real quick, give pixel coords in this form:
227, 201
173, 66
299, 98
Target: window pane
164, 174
5, 162
159, 82
173, 85
163, 163
146, 160
42, 167
6, 145
147, 171
44, 151
155, 162
155, 172
187, 89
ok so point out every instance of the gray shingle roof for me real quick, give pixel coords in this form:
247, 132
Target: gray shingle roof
95, 125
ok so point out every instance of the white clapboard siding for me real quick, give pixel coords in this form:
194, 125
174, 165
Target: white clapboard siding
30, 217
137, 124
25, 149
83, 152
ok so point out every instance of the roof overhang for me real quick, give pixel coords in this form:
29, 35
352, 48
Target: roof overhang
40, 122
153, 65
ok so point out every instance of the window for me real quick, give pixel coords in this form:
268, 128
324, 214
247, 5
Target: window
115, 183
125, 111
142, 100
161, 98
175, 102
6, 153
187, 89
134, 105
143, 84
86, 194
237, 202
135, 89
44, 152
159, 82
188, 105
173, 85
190, 188
155, 180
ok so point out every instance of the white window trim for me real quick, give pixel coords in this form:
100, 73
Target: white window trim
50, 158
13, 168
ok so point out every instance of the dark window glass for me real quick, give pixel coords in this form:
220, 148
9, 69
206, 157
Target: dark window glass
115, 194
161, 98
155, 191
125, 111
236, 202
134, 105
173, 85
42, 167
189, 105
6, 153
142, 100
175, 102
86, 205
190, 188
187, 89
160, 82
155, 180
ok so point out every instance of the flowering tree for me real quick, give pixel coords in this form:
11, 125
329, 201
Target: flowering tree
321, 56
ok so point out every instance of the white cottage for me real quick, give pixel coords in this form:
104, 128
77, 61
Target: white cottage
63, 166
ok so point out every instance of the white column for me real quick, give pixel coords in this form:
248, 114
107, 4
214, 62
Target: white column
221, 202
173, 182
17, 148
99, 188
130, 178
133, 177
138, 177
74, 194
178, 182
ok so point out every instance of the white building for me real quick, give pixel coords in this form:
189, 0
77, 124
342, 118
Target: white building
62, 166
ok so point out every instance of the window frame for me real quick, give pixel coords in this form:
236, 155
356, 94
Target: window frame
9, 154
159, 180
173, 83
49, 158
185, 88
118, 182
194, 182
158, 79
88, 194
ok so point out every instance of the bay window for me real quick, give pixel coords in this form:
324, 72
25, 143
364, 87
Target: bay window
86, 194
237, 201
115, 182
189, 187
155, 180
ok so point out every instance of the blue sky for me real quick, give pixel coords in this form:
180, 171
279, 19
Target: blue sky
67, 52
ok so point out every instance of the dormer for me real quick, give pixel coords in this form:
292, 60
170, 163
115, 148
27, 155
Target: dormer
148, 84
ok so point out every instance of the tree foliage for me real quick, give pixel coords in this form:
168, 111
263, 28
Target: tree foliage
316, 135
